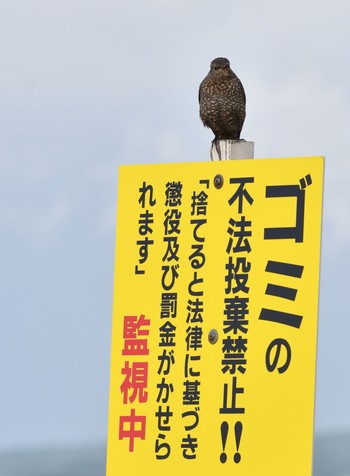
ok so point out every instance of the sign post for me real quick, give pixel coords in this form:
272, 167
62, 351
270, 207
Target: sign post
215, 318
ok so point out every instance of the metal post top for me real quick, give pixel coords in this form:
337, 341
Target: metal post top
231, 150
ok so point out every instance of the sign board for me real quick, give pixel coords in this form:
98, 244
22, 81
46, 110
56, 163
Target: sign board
215, 318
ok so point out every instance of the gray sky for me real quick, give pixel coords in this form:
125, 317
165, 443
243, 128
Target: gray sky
86, 85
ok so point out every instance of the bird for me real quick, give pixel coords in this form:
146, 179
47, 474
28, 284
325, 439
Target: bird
222, 101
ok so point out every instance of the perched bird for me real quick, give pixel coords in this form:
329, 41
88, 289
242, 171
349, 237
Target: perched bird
222, 101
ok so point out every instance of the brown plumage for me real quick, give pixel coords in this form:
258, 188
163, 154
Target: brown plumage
222, 101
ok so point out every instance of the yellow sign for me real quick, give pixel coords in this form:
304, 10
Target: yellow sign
215, 318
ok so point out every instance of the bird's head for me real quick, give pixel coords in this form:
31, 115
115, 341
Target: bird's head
219, 64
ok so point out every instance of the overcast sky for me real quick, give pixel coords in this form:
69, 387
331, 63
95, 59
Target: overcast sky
87, 85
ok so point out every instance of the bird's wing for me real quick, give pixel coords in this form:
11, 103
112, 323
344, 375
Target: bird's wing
199, 93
